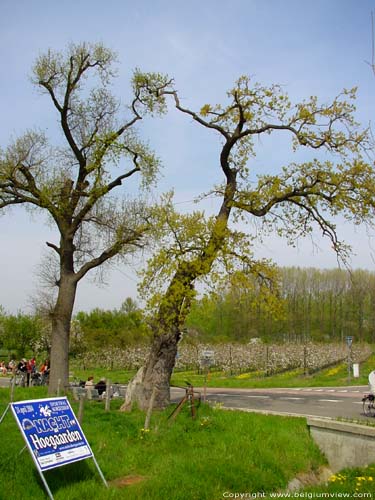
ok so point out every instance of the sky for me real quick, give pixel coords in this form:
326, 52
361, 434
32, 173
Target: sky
311, 48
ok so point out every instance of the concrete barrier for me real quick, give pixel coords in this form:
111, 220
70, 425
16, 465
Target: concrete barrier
344, 444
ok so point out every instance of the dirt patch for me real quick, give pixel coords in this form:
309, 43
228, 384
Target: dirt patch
122, 482
311, 478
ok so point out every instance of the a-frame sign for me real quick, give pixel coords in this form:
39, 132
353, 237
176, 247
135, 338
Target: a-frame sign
52, 434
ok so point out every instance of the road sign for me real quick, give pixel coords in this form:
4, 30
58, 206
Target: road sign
207, 354
349, 341
207, 358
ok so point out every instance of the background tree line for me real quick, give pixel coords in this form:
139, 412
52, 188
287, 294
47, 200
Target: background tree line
314, 304
30, 334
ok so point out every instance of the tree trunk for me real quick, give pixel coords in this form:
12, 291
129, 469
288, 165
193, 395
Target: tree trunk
156, 373
62, 315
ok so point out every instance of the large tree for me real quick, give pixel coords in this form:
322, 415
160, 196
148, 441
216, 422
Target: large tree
74, 181
290, 202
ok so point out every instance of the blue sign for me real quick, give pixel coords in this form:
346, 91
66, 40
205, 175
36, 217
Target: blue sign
51, 431
349, 341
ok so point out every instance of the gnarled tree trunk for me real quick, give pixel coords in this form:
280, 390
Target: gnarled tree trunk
173, 309
156, 373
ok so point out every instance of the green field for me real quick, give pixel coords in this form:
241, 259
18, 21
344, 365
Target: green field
219, 452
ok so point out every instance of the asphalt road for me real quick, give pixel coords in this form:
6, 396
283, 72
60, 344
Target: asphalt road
334, 402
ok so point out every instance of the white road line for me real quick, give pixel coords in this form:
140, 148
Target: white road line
357, 402
345, 390
282, 397
318, 390
330, 400
260, 397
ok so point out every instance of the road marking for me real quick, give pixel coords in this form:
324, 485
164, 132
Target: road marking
345, 390
282, 397
330, 400
260, 397
318, 390
357, 402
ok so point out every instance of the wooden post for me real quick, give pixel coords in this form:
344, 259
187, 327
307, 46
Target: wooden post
178, 408
12, 387
81, 407
305, 360
150, 407
192, 402
108, 396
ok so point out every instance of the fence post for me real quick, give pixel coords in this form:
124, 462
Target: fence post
108, 396
82, 398
12, 387
150, 407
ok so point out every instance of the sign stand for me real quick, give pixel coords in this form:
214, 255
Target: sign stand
52, 434
5, 412
49, 493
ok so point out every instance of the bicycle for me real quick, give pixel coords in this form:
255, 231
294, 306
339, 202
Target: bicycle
368, 405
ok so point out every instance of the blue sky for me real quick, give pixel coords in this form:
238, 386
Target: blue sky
312, 48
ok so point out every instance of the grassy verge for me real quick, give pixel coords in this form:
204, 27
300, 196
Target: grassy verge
218, 452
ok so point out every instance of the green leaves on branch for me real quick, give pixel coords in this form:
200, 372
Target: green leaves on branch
254, 109
186, 257
308, 195
57, 72
150, 89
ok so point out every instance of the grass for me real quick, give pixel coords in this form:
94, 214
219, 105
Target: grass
218, 452
348, 483
115, 376
334, 376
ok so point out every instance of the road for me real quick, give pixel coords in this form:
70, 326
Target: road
334, 402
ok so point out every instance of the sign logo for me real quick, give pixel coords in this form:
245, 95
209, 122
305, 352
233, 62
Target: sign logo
51, 431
